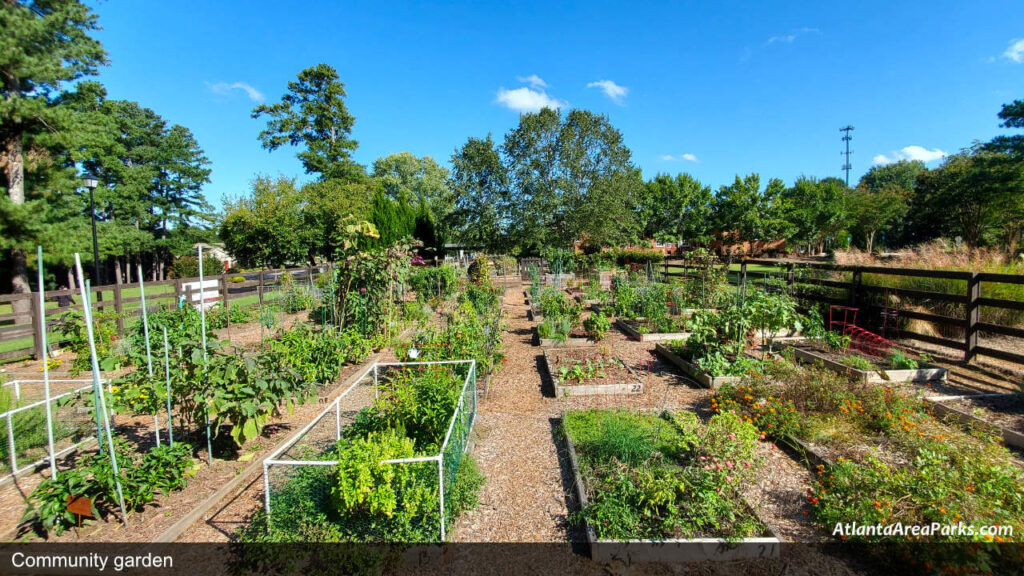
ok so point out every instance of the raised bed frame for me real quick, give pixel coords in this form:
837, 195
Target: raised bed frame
561, 390
669, 550
923, 374
624, 325
693, 371
571, 341
1010, 437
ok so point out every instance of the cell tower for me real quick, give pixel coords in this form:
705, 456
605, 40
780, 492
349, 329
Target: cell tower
846, 138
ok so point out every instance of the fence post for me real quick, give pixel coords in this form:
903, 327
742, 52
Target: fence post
188, 295
224, 290
259, 290
118, 306
790, 276
972, 317
854, 287
743, 280
222, 283
37, 329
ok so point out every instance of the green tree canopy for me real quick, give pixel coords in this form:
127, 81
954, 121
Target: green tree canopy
747, 212
266, 227
45, 45
480, 182
677, 208
312, 115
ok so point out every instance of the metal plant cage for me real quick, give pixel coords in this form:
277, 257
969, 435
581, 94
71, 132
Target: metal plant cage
26, 426
312, 445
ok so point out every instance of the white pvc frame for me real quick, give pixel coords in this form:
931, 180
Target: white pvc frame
335, 405
52, 454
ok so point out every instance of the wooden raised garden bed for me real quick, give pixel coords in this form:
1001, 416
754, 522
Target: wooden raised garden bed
692, 370
807, 352
615, 376
1000, 414
630, 327
667, 550
571, 340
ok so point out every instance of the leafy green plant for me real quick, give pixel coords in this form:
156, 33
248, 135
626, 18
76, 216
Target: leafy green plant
161, 470
596, 326
668, 476
480, 271
73, 330
433, 281
858, 362
900, 361
771, 313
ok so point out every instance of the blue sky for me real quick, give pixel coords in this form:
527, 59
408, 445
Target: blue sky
712, 88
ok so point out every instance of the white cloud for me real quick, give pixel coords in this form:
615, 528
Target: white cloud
224, 89
1015, 51
687, 157
611, 89
910, 153
789, 38
527, 99
533, 80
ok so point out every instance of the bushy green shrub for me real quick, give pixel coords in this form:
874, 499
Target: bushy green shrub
433, 281
161, 470
650, 477
188, 267
596, 326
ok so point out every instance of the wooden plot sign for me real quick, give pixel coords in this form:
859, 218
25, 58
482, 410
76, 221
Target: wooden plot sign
80, 506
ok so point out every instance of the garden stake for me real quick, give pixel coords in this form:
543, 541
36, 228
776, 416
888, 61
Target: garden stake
149, 351
96, 385
96, 390
202, 322
167, 374
46, 369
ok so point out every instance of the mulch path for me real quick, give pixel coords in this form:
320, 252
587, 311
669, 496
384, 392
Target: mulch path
529, 492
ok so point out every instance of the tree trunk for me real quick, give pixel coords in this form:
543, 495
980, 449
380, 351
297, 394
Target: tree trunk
871, 241
117, 270
71, 279
14, 169
128, 270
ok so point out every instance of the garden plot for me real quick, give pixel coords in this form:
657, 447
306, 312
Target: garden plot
1000, 414
586, 371
663, 330
676, 353
574, 338
880, 457
893, 368
38, 427
394, 471
665, 488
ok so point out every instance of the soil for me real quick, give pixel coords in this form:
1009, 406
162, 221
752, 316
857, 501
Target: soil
611, 370
644, 327
880, 363
1004, 411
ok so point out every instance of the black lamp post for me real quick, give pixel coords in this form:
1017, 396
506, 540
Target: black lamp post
89, 181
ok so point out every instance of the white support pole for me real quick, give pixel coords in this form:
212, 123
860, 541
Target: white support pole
149, 349
440, 486
266, 489
10, 443
46, 368
167, 376
87, 305
202, 323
